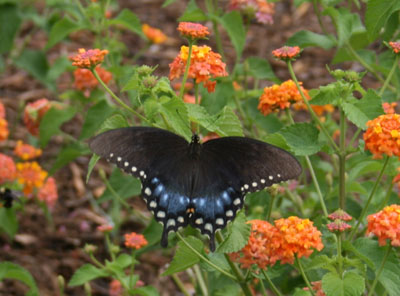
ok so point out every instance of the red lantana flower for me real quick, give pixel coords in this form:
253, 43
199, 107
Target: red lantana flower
88, 58
338, 226
286, 52
134, 240
7, 169
260, 9
386, 225
86, 82
341, 215
204, 65
389, 108
105, 228
154, 35
193, 30
395, 46
34, 113
383, 136
31, 175
317, 287
26, 151
48, 192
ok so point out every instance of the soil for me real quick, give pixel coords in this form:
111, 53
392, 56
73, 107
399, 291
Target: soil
47, 249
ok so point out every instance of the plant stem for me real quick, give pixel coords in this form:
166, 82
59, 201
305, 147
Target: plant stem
313, 115
132, 269
196, 99
354, 137
204, 258
387, 197
200, 280
304, 276
185, 75
180, 285
271, 284
342, 161
365, 208
318, 14
371, 291
270, 206
339, 254
115, 97
389, 77
240, 279
108, 243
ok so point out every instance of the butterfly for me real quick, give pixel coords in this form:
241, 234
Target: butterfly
197, 184
7, 197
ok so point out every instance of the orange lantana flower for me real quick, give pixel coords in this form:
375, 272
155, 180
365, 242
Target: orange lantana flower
262, 247
105, 228
7, 168
395, 46
86, 82
2, 111
88, 59
389, 108
286, 52
204, 65
4, 132
134, 240
193, 30
386, 225
299, 238
278, 97
317, 287
115, 288
26, 151
153, 34
383, 135
34, 113
48, 192
261, 9
31, 175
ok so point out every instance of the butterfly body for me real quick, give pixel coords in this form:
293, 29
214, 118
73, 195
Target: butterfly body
202, 185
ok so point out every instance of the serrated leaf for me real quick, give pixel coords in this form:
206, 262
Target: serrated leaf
35, 63
85, 274
390, 275
184, 256
60, 30
9, 270
124, 185
306, 38
9, 25
176, 115
352, 284
377, 14
233, 24
95, 116
52, 121
115, 121
228, 123
199, 114
321, 261
261, 68
302, 138
8, 221
93, 160
238, 235
328, 94
348, 246
130, 21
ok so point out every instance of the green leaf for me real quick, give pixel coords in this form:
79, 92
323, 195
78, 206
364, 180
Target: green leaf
9, 270
9, 25
193, 13
95, 116
261, 68
305, 38
360, 111
51, 122
168, 2
8, 221
121, 262
146, 291
228, 123
199, 114
115, 121
352, 284
124, 185
60, 30
302, 138
184, 256
390, 276
68, 154
238, 235
130, 21
328, 94
93, 160
85, 274
233, 24
35, 63
321, 261
377, 14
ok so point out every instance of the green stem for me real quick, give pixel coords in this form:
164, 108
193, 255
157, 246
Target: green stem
387, 197
342, 161
95, 261
312, 173
354, 137
200, 280
185, 75
216, 267
304, 276
115, 97
132, 269
270, 206
371, 291
313, 115
180, 285
389, 77
108, 243
319, 18
271, 284
365, 208
339, 254
240, 279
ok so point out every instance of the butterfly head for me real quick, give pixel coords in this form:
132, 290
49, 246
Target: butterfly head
194, 147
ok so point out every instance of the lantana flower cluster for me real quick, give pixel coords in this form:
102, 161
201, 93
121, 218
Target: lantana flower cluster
268, 244
260, 9
204, 65
3, 124
86, 82
154, 35
386, 225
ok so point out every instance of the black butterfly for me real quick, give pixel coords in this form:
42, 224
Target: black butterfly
192, 183
7, 197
